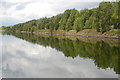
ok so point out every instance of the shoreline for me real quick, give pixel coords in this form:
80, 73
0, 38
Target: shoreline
87, 39
78, 34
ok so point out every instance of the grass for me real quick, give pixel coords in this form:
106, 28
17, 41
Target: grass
89, 32
111, 42
112, 32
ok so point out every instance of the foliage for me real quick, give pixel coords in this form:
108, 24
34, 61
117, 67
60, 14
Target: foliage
103, 54
103, 18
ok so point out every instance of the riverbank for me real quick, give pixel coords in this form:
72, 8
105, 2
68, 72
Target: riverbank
36, 36
60, 35
112, 34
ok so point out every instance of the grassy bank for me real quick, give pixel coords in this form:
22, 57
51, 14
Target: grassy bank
92, 33
113, 33
111, 42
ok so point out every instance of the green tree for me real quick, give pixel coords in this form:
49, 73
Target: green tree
104, 17
64, 19
71, 19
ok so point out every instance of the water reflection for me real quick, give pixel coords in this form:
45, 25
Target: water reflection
0, 56
53, 57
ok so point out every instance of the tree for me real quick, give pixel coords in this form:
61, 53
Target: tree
64, 19
71, 19
104, 17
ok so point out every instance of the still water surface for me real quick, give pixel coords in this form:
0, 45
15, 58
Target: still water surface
32, 56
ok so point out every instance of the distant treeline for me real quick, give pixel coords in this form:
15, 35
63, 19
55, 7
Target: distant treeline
103, 18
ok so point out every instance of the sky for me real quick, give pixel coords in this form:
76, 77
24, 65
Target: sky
17, 11
29, 60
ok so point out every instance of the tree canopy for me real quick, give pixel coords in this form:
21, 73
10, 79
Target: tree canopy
103, 18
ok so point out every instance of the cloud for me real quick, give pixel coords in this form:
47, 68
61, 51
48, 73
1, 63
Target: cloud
7, 20
7, 4
15, 1
71, 5
24, 10
22, 59
21, 6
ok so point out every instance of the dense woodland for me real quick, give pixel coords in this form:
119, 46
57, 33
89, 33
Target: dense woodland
103, 18
103, 54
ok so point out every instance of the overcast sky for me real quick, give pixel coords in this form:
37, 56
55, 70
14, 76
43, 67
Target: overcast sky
17, 11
